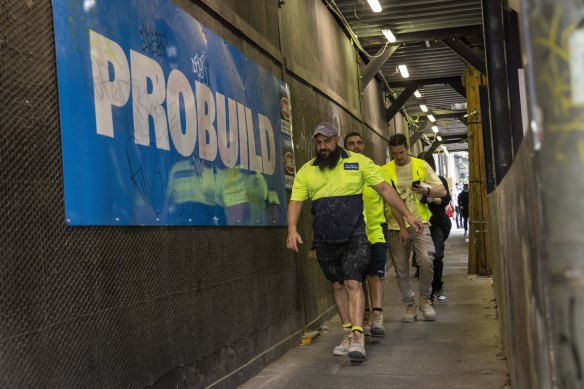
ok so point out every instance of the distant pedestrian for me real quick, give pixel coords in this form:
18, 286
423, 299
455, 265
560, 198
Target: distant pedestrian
463, 205
454, 195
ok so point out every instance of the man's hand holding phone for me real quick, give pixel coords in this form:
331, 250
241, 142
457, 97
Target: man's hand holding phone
418, 189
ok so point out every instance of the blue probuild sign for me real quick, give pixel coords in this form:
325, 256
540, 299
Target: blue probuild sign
162, 121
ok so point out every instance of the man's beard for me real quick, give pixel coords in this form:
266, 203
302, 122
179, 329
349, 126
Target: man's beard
330, 160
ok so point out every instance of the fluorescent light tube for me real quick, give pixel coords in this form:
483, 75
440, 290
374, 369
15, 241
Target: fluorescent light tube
375, 6
417, 94
435, 129
403, 69
439, 138
431, 118
389, 35
423, 108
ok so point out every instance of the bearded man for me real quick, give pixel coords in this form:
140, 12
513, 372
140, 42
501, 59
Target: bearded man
334, 181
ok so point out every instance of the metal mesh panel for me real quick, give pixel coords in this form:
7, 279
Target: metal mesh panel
130, 306
114, 306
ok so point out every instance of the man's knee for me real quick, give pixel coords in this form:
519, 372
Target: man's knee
426, 262
338, 286
402, 272
353, 285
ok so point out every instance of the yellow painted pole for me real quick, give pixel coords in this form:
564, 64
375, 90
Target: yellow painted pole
479, 234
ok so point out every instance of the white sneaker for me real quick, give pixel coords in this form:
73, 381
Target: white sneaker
357, 349
441, 296
426, 309
410, 315
343, 348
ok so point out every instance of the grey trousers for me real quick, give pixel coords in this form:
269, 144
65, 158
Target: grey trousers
400, 254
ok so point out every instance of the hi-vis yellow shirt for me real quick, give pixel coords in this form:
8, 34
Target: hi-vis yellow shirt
374, 212
337, 195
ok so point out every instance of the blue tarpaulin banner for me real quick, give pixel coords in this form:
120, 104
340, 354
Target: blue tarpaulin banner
163, 122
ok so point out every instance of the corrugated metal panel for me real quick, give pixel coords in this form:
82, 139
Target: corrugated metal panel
428, 58
424, 62
408, 16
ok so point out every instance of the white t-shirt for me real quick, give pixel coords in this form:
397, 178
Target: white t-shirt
454, 194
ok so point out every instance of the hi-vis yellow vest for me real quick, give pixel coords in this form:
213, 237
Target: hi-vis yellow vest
418, 173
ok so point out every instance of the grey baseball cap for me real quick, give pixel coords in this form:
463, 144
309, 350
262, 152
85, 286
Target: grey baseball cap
327, 129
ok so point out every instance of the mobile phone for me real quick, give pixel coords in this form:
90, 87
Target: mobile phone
415, 184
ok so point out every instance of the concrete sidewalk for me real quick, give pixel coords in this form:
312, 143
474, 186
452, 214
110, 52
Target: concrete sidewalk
462, 349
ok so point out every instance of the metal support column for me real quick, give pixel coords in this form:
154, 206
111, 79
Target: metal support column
479, 258
397, 104
376, 64
513, 55
497, 81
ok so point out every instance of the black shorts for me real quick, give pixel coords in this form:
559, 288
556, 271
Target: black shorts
378, 259
344, 261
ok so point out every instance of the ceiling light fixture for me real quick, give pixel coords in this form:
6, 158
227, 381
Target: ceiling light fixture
423, 108
375, 6
431, 118
417, 94
435, 129
389, 35
439, 138
403, 69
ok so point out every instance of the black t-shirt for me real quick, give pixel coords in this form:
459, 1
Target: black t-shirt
463, 203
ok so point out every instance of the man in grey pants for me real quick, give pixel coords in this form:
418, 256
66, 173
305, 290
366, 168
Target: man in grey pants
415, 182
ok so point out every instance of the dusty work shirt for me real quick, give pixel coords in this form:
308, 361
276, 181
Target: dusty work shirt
336, 194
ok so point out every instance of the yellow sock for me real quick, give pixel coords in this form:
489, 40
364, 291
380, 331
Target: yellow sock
358, 328
347, 327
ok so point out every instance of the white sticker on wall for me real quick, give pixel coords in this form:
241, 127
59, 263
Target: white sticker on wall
576, 47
